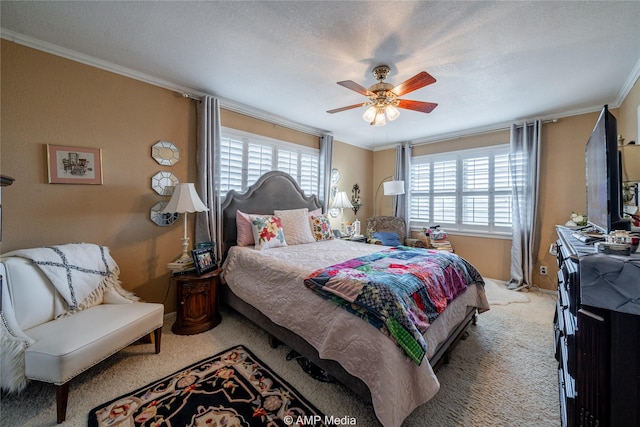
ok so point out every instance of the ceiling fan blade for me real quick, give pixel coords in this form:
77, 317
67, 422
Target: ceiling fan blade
423, 107
337, 110
416, 82
350, 84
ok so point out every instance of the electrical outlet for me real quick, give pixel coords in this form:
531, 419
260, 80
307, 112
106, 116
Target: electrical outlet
543, 270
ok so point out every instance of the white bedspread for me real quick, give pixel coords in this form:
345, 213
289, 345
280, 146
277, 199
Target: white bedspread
273, 281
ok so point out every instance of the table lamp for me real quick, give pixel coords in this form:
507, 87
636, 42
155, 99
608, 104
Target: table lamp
341, 201
185, 200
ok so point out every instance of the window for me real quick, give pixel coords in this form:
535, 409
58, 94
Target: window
467, 191
245, 157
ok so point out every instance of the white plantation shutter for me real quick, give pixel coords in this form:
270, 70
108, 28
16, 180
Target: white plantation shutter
466, 190
475, 191
420, 209
288, 162
246, 157
231, 162
259, 161
444, 189
502, 187
309, 173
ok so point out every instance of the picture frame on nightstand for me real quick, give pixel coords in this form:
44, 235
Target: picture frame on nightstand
204, 260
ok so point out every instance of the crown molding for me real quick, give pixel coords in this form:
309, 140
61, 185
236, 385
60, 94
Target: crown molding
188, 93
228, 104
89, 60
628, 84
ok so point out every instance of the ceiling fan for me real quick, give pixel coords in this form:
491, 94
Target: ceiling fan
384, 98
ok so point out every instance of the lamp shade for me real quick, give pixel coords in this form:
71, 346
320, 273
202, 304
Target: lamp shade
393, 188
185, 199
341, 201
630, 163
370, 114
392, 112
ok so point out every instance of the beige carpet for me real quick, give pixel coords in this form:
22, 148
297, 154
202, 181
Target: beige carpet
503, 374
498, 294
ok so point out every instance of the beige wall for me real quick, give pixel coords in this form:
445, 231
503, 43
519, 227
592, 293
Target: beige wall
383, 167
50, 100
562, 184
354, 165
241, 122
628, 113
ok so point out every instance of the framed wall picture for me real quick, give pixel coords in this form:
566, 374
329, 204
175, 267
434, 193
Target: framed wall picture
74, 165
204, 259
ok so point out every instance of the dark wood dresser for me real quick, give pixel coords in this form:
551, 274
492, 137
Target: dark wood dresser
597, 346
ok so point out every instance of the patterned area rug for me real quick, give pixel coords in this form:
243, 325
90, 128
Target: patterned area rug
232, 389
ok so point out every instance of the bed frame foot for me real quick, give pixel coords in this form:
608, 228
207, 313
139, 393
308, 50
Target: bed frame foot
274, 342
475, 319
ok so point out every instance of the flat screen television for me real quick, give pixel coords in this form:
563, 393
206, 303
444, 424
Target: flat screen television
604, 176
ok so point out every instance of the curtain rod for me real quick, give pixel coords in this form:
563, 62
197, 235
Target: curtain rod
189, 96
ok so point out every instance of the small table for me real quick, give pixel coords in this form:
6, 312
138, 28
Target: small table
197, 302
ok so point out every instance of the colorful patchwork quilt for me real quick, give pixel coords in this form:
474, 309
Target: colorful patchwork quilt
400, 290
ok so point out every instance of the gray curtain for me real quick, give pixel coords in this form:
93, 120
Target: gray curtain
403, 173
326, 156
524, 161
209, 224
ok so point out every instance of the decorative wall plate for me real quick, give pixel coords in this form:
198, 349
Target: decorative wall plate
335, 176
162, 219
165, 153
163, 183
333, 192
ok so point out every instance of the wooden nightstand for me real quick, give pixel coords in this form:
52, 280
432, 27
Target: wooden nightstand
197, 300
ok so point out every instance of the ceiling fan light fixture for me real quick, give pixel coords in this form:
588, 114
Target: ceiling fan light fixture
380, 119
370, 114
392, 112
383, 98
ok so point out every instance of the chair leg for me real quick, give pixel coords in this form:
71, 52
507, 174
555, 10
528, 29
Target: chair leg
62, 396
157, 336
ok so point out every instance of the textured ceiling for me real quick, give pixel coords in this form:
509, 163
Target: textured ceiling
495, 62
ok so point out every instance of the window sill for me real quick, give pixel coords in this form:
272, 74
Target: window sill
482, 234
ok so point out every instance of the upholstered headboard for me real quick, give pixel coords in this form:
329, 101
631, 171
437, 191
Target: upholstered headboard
273, 190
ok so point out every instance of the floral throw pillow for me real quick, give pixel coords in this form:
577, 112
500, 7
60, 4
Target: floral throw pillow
320, 227
268, 232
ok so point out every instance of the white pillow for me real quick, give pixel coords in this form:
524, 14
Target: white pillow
295, 223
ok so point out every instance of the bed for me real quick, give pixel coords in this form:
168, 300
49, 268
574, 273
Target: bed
267, 286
